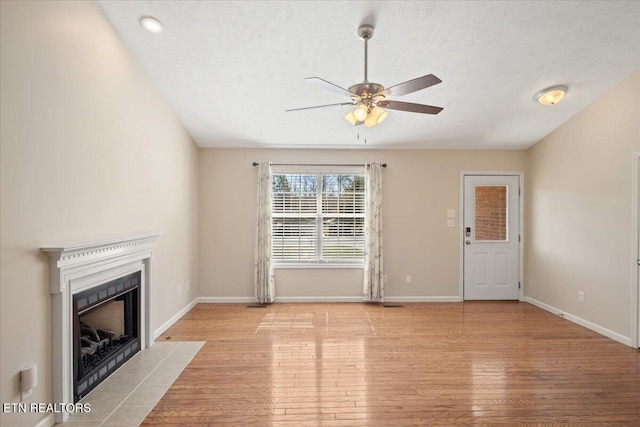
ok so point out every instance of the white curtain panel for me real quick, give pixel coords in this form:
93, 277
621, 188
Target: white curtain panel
373, 287
264, 283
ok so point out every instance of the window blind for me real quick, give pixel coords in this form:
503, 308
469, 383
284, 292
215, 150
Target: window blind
318, 217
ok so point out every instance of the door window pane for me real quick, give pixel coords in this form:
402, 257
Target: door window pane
491, 213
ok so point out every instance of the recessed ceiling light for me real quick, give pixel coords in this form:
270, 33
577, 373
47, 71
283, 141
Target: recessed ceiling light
151, 24
551, 95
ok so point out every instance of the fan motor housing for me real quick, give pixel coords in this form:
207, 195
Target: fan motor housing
366, 89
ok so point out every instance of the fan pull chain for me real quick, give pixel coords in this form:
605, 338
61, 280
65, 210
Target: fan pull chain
358, 134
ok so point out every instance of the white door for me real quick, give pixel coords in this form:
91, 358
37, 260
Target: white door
491, 234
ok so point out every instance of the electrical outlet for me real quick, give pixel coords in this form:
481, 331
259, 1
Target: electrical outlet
408, 278
28, 381
451, 223
385, 279
581, 296
179, 290
451, 213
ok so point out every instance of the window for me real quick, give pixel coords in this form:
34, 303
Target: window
318, 217
491, 213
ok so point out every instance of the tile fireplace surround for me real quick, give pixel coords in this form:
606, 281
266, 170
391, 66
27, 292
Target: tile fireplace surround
127, 396
78, 267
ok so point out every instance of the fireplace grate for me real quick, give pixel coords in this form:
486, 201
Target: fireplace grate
108, 364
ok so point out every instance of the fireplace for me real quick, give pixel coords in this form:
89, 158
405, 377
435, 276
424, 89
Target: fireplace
85, 279
106, 331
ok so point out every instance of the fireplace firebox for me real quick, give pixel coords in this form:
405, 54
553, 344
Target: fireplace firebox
106, 331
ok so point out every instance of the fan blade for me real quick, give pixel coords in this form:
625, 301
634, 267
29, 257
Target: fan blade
328, 85
320, 106
410, 86
409, 106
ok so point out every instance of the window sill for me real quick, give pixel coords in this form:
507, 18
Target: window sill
318, 266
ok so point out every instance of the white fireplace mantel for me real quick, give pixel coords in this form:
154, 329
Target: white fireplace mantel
77, 267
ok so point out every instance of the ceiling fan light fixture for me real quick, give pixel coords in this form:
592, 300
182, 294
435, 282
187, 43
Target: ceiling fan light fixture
551, 95
361, 112
351, 118
376, 117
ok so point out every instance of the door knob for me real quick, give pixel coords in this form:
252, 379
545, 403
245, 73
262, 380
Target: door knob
467, 242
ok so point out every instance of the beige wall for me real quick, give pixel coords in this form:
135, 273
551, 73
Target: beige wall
419, 187
89, 150
578, 211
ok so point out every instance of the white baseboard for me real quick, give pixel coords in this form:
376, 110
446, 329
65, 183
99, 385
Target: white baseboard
47, 421
245, 300
422, 299
251, 300
580, 321
166, 325
226, 300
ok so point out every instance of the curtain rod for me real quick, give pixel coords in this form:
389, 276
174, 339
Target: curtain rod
384, 165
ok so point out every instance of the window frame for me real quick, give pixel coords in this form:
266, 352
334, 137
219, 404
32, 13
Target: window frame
319, 216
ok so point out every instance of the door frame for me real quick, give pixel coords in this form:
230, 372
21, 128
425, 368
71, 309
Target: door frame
635, 252
520, 176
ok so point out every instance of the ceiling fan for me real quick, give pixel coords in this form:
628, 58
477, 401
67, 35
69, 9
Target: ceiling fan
369, 97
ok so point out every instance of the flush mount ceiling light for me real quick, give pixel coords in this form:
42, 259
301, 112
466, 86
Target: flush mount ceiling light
151, 24
551, 95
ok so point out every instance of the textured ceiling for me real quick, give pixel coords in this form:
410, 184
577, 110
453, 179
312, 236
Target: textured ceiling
229, 69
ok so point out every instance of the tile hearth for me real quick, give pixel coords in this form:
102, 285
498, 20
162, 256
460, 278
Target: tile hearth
130, 393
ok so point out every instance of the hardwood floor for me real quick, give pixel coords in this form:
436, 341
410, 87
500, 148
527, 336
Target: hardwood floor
482, 363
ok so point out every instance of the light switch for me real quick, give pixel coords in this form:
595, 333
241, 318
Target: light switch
451, 213
451, 223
